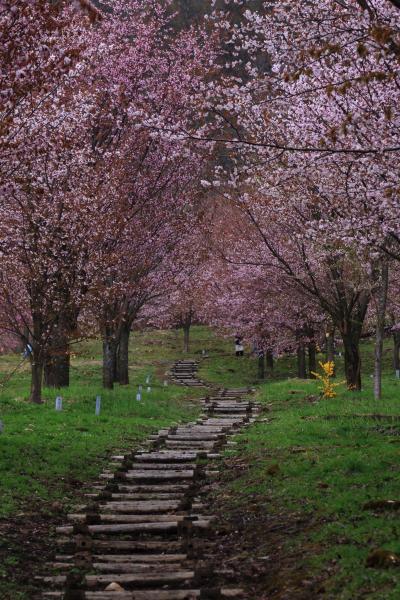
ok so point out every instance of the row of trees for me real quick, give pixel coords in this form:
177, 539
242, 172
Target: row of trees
313, 180
113, 122
99, 189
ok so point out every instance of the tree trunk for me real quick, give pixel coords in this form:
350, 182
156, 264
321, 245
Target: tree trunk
330, 347
270, 360
57, 364
36, 379
109, 362
352, 360
381, 303
123, 356
301, 361
396, 352
312, 359
261, 365
350, 326
186, 332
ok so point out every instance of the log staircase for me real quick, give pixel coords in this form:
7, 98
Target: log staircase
141, 534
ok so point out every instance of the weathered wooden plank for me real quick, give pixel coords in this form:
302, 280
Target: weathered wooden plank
130, 518
167, 527
160, 475
166, 456
139, 507
130, 558
140, 466
140, 579
164, 487
113, 545
151, 594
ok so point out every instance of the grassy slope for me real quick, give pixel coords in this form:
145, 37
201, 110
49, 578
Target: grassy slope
45, 455
323, 470
327, 468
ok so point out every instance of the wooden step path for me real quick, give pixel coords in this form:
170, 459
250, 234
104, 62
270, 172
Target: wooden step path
139, 535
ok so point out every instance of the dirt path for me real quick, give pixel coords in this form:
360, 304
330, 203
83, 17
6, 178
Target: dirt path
143, 534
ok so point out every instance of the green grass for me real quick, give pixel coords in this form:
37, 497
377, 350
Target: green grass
48, 459
330, 461
327, 461
45, 455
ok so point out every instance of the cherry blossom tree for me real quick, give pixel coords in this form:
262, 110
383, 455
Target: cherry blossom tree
72, 118
314, 143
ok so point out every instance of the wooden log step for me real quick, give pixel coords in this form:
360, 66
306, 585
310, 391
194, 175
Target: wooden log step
130, 558
152, 528
141, 558
132, 568
139, 507
228, 399
129, 518
231, 405
151, 496
166, 457
139, 466
121, 567
196, 436
144, 489
137, 496
159, 475
229, 410
112, 545
128, 580
141, 579
147, 595
217, 429
243, 418
171, 442
224, 421
191, 594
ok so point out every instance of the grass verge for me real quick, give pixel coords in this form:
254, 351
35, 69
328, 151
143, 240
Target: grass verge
298, 483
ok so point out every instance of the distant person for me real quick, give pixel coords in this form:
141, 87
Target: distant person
27, 351
239, 345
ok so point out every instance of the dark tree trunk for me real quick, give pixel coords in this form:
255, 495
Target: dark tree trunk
396, 352
381, 303
109, 362
123, 356
301, 361
352, 360
261, 366
57, 364
36, 379
312, 359
270, 360
350, 327
330, 347
56, 370
36, 359
186, 334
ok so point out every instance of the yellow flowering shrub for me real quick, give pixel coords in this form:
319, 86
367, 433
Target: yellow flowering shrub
327, 388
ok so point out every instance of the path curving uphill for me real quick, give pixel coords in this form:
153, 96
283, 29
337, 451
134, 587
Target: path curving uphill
140, 536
